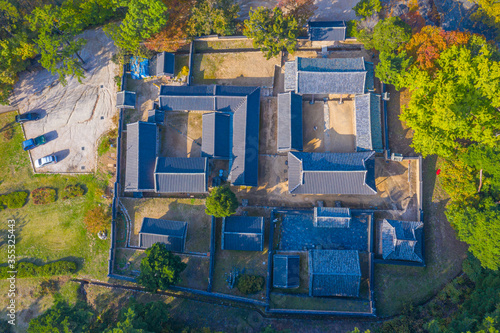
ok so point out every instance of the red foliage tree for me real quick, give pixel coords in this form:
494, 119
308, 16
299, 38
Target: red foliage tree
426, 46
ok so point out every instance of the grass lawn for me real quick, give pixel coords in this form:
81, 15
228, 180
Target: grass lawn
223, 45
48, 232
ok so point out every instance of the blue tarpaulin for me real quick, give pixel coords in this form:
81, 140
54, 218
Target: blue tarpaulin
139, 68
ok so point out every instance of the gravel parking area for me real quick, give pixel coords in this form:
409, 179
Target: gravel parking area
74, 116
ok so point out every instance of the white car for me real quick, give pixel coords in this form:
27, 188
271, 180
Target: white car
41, 162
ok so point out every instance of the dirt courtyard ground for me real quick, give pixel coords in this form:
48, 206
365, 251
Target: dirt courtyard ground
74, 116
244, 69
191, 211
181, 135
329, 127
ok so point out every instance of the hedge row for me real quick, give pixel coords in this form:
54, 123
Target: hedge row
13, 200
72, 191
43, 195
28, 269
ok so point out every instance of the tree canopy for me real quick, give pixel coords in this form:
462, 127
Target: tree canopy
63, 318
366, 8
160, 268
272, 31
213, 17
144, 18
222, 202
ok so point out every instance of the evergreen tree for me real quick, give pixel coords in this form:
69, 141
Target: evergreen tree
213, 17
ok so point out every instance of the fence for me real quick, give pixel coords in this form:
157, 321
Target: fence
116, 187
212, 255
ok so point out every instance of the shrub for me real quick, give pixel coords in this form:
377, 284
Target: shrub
8, 133
104, 146
222, 202
28, 269
72, 191
250, 284
43, 195
14, 199
118, 81
97, 219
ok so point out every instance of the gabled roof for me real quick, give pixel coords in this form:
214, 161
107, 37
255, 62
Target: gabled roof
243, 233
331, 173
244, 103
334, 273
402, 240
332, 217
326, 30
326, 76
170, 233
216, 135
181, 175
156, 116
141, 152
286, 271
162, 64
125, 99
368, 122
289, 122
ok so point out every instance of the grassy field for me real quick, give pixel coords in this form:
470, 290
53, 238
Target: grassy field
223, 45
47, 232
282, 301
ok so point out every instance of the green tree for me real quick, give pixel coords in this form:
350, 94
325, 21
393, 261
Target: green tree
160, 268
272, 31
366, 8
480, 228
390, 34
56, 42
213, 17
391, 66
222, 202
144, 18
62, 317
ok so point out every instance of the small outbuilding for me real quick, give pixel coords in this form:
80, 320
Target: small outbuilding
125, 99
243, 233
156, 116
326, 31
286, 271
402, 240
162, 64
216, 141
332, 217
171, 233
334, 273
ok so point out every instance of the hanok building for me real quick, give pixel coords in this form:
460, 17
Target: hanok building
289, 122
241, 109
162, 64
147, 172
243, 233
286, 271
142, 150
171, 233
332, 217
402, 240
326, 31
125, 99
331, 173
334, 273
181, 175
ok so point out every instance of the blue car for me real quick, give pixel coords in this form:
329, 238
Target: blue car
32, 143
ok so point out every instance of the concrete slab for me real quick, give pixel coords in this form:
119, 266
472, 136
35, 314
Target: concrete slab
76, 115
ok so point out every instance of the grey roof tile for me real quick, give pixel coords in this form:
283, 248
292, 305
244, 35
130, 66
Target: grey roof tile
216, 135
326, 30
141, 152
181, 175
368, 122
162, 64
289, 122
286, 271
331, 173
402, 240
170, 233
334, 273
243, 233
332, 217
125, 99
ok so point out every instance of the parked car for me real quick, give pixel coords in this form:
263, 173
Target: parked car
32, 143
41, 162
22, 118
